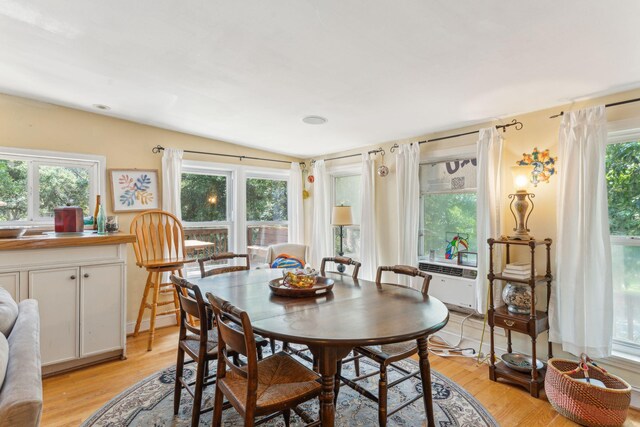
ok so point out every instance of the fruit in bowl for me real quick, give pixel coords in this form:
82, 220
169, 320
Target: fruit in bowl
300, 279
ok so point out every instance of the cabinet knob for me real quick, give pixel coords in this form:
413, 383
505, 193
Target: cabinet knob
73, 277
86, 275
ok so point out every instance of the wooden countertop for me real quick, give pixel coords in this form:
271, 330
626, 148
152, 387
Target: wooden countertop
46, 241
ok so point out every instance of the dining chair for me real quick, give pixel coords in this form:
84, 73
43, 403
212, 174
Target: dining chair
341, 260
387, 355
199, 342
267, 387
159, 248
293, 249
229, 269
225, 256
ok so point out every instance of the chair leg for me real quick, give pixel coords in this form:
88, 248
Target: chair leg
178, 386
259, 350
197, 398
356, 363
176, 302
272, 344
336, 382
154, 310
382, 397
286, 414
143, 304
217, 408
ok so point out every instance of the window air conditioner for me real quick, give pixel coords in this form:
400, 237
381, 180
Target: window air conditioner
452, 284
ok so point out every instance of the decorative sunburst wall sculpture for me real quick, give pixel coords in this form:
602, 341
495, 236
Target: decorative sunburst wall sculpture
544, 166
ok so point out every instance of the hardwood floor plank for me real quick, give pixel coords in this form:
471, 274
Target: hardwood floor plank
72, 397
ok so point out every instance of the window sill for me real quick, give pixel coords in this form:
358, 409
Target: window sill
622, 360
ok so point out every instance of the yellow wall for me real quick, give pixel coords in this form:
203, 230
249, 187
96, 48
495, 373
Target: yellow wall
538, 131
29, 124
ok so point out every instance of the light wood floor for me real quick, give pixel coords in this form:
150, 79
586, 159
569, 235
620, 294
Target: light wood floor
72, 397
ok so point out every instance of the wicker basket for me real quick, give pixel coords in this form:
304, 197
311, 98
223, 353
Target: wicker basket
584, 403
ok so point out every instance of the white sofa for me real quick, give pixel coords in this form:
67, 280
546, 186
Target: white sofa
21, 389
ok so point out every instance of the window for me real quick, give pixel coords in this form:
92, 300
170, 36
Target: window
34, 183
205, 197
622, 170
267, 215
448, 213
346, 192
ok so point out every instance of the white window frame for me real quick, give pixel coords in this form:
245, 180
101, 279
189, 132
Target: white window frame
216, 169
463, 152
96, 165
619, 132
341, 171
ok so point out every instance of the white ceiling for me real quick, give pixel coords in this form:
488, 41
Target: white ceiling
248, 71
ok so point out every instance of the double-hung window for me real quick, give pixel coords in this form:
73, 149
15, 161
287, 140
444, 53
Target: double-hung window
346, 190
206, 206
33, 183
622, 171
267, 217
448, 209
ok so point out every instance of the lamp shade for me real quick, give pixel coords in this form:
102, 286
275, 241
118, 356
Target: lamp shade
521, 176
341, 215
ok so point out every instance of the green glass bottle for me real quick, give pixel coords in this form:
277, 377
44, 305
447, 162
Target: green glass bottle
101, 220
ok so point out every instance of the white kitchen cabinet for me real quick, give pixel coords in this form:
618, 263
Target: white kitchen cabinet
80, 286
57, 291
101, 308
11, 282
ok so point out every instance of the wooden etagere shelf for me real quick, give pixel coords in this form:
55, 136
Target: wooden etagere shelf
532, 324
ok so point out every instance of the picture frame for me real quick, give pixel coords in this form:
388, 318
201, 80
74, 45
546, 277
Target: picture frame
134, 190
468, 259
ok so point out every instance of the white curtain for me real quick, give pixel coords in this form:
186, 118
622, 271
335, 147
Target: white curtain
582, 304
296, 214
488, 209
368, 252
408, 186
321, 232
171, 177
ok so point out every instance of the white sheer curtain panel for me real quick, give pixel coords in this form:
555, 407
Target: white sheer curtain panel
488, 209
581, 312
321, 232
296, 213
171, 178
408, 186
368, 248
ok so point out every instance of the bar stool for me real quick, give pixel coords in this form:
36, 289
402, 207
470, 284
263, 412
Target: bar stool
159, 249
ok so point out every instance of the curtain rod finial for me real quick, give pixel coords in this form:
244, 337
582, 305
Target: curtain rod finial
157, 149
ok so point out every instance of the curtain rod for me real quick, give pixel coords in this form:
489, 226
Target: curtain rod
158, 148
613, 104
379, 150
518, 125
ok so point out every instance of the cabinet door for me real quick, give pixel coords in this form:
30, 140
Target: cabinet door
101, 309
57, 292
10, 282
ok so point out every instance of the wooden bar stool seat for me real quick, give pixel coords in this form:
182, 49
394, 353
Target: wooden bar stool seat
159, 249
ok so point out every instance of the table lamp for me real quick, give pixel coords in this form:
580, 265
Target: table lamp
519, 205
340, 217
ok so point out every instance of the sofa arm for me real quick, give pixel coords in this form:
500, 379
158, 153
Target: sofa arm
21, 393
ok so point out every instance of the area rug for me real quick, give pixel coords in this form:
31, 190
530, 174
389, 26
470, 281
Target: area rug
150, 403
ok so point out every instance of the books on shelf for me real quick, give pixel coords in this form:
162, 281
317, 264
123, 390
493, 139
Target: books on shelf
518, 270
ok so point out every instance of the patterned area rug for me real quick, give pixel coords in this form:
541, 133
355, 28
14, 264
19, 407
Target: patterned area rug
150, 403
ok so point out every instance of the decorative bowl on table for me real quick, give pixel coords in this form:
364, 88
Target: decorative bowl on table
300, 284
520, 362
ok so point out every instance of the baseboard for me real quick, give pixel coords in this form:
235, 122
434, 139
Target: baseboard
161, 321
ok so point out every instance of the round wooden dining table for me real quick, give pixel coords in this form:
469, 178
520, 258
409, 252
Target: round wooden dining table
355, 313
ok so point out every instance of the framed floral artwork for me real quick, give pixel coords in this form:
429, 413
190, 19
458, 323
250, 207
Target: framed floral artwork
134, 189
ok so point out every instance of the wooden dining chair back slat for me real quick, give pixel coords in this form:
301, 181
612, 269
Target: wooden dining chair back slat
224, 269
191, 304
232, 339
159, 236
405, 270
341, 260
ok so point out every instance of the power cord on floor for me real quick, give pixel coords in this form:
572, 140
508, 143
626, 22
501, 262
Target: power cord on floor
440, 347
